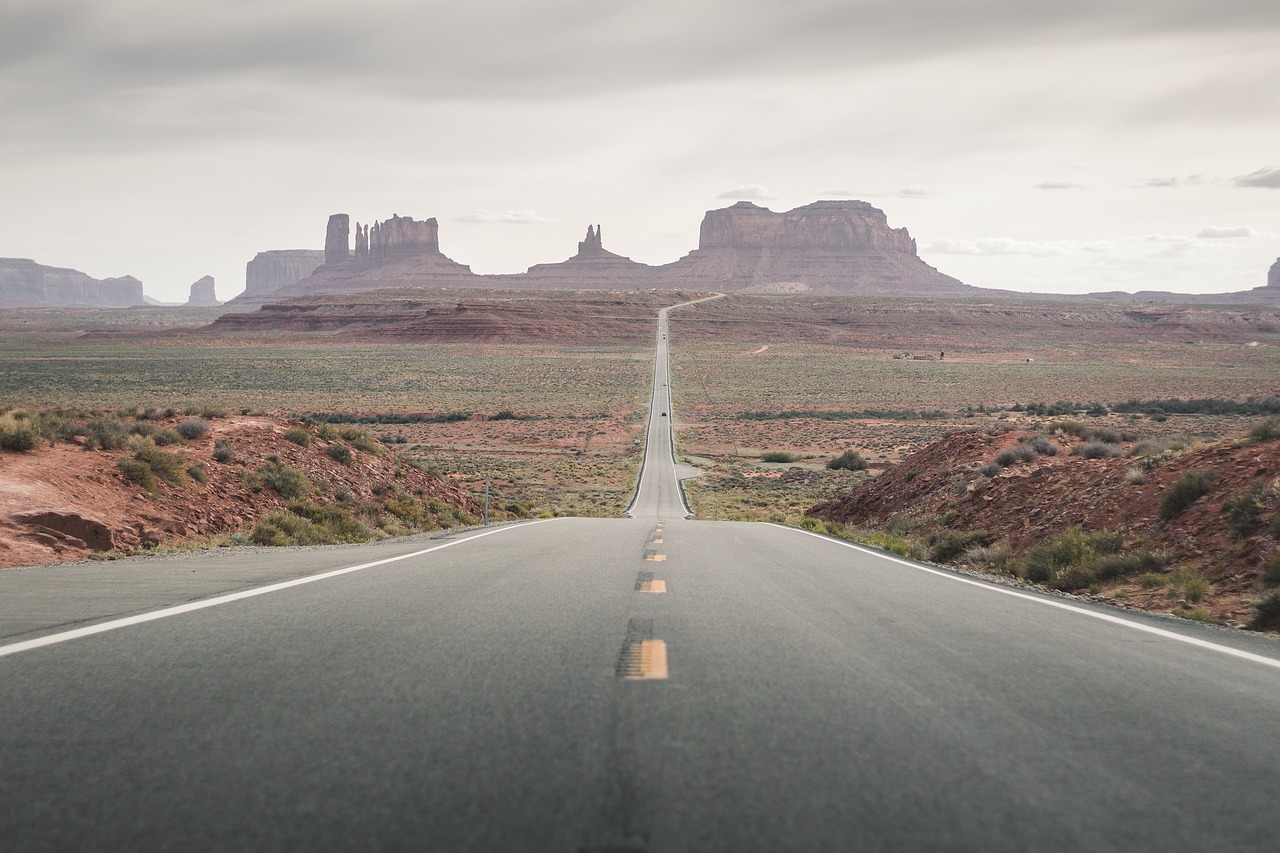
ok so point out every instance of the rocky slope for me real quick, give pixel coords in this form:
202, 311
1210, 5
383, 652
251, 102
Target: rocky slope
459, 315
957, 485
25, 283
67, 502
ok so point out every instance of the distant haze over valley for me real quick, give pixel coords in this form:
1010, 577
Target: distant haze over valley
834, 246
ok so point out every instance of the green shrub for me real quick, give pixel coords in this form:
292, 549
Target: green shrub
197, 473
193, 428
212, 412
1097, 450
850, 460
1271, 571
165, 437
947, 545
449, 515
1074, 428
105, 434
1265, 430
1244, 510
143, 428
18, 434
1162, 448
1045, 562
1072, 560
337, 521
990, 469
326, 431
283, 527
298, 436
1190, 585
138, 472
1044, 446
1266, 611
1142, 563
1017, 453
1185, 491
778, 456
287, 482
1151, 580
168, 466
224, 451
339, 453
409, 510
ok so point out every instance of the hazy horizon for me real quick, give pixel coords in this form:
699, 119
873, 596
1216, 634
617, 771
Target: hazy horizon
1044, 149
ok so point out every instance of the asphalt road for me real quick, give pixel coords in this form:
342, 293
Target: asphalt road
647, 683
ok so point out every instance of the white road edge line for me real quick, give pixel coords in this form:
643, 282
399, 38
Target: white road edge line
1061, 605
76, 633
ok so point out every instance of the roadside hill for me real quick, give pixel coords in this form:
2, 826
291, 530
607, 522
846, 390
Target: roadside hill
235, 483
1164, 524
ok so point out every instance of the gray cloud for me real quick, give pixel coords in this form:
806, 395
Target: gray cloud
1004, 246
1267, 178
1212, 233
1059, 185
510, 217
747, 191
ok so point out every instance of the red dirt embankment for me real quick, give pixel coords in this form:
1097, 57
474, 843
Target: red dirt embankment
66, 502
1029, 502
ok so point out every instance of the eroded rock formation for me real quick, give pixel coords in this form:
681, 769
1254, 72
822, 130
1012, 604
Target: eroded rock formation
592, 244
202, 294
401, 237
337, 238
25, 283
269, 271
835, 246
1273, 277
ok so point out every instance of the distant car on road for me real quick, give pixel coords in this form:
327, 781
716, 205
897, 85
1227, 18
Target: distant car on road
664, 414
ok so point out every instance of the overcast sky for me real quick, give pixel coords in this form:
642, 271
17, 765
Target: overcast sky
1044, 146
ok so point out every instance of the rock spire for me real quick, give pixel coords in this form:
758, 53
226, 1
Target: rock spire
336, 239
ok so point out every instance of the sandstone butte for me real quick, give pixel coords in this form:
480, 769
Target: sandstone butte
24, 282
203, 294
832, 246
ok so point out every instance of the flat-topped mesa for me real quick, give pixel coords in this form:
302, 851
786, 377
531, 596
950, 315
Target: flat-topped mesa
398, 237
24, 282
833, 246
203, 294
337, 239
820, 225
276, 268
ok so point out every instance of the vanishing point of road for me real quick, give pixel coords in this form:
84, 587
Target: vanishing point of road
633, 684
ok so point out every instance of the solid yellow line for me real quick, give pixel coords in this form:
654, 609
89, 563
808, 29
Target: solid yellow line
653, 661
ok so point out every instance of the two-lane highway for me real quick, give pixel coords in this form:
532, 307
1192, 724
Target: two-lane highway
647, 683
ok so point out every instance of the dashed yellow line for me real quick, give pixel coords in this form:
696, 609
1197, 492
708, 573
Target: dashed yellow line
653, 586
646, 661
657, 558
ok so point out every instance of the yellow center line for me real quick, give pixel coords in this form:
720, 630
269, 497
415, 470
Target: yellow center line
649, 661
653, 586
657, 540
657, 558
